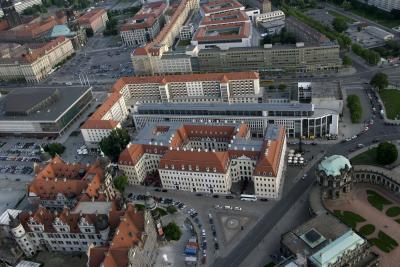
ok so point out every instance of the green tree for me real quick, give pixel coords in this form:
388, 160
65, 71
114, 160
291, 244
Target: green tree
120, 183
347, 61
54, 149
89, 32
354, 104
339, 24
172, 231
282, 87
271, 87
346, 5
115, 143
387, 153
344, 41
171, 209
379, 81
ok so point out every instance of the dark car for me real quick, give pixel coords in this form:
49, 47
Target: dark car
215, 196
199, 194
157, 190
164, 190
130, 195
264, 199
229, 197
216, 245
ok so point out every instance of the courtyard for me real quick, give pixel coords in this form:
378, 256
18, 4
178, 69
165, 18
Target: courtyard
374, 213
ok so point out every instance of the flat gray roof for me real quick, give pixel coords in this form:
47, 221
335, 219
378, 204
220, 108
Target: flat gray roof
22, 98
229, 107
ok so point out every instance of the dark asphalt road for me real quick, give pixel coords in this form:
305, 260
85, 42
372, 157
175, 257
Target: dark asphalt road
270, 219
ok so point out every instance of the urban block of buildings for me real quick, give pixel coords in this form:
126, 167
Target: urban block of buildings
219, 7
270, 23
310, 110
42, 111
32, 62
59, 184
305, 33
207, 158
224, 30
95, 19
145, 25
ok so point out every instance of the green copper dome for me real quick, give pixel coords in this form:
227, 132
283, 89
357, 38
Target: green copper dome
333, 164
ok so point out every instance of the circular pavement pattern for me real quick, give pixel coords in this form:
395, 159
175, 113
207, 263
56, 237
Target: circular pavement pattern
232, 223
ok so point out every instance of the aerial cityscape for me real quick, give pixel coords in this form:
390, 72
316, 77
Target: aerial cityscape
215, 133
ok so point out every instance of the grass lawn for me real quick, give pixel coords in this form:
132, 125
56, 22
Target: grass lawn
378, 19
184, 42
393, 211
376, 200
367, 229
366, 158
384, 242
341, 16
349, 218
391, 100
139, 206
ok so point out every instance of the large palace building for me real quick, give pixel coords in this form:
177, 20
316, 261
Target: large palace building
207, 158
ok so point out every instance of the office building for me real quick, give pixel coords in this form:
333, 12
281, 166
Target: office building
306, 120
263, 5
95, 20
145, 25
275, 58
42, 111
200, 157
32, 62
58, 183
270, 58
271, 22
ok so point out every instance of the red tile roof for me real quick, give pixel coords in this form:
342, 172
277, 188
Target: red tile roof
91, 16
220, 6
163, 79
268, 163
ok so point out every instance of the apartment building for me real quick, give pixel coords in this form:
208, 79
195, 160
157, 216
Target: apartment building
58, 183
237, 87
32, 62
105, 119
20, 6
95, 19
145, 25
206, 157
224, 30
386, 5
42, 111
